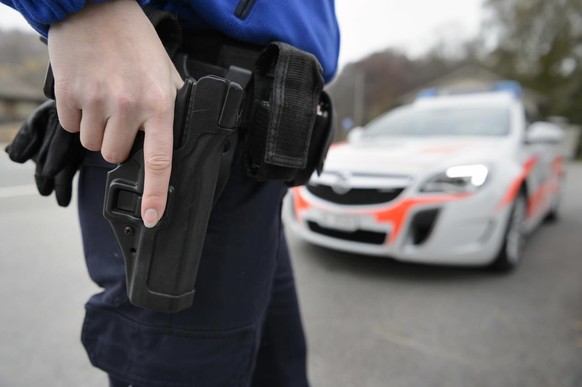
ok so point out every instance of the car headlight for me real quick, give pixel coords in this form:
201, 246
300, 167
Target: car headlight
464, 178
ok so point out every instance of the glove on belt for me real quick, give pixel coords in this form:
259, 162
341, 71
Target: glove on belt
56, 152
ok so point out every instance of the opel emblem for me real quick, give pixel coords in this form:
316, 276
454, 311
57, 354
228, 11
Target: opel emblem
342, 185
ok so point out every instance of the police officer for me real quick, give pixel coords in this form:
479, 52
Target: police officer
114, 78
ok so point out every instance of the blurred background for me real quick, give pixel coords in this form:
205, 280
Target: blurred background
369, 321
389, 50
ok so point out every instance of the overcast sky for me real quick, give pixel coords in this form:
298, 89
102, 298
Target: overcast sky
373, 25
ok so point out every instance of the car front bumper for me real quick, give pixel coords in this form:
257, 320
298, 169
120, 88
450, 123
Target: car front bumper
466, 229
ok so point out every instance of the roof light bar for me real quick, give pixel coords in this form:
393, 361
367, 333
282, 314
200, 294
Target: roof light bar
511, 87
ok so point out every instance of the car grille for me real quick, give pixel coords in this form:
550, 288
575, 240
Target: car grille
355, 196
362, 236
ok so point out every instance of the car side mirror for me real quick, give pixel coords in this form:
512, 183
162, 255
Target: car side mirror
544, 133
355, 135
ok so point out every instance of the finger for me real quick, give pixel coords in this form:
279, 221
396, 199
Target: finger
45, 185
158, 165
24, 146
63, 185
177, 78
63, 149
119, 137
29, 138
92, 127
69, 116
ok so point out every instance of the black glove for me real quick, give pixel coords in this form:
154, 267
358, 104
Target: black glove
56, 152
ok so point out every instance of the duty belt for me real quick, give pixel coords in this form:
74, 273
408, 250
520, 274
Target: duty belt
272, 95
286, 115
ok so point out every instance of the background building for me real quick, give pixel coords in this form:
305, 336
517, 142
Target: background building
17, 101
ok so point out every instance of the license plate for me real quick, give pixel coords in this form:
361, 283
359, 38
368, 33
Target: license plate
338, 221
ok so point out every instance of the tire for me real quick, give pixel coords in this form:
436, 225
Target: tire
511, 251
554, 214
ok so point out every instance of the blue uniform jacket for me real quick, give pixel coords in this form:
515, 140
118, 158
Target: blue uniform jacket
307, 24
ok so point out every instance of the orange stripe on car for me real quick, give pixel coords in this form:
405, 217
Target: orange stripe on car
534, 204
337, 145
558, 166
299, 203
551, 187
516, 184
397, 214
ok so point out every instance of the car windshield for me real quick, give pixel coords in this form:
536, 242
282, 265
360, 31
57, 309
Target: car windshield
441, 121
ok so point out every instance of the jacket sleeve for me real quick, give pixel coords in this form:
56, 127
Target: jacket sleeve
40, 14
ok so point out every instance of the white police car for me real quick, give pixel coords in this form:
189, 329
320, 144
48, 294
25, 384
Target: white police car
450, 179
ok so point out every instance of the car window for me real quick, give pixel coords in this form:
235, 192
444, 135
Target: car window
442, 121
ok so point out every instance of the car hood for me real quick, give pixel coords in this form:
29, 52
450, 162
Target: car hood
408, 156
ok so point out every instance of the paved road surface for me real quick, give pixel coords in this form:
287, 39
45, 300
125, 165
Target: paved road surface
370, 322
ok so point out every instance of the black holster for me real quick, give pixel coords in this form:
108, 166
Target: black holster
162, 262
286, 119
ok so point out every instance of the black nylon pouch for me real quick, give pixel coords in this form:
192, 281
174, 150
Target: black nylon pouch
288, 128
321, 139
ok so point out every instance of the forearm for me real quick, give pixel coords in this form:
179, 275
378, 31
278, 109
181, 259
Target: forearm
41, 14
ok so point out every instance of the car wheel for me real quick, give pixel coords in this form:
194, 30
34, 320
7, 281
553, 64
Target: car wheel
511, 251
553, 214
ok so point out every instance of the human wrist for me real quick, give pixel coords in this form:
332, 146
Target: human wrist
42, 15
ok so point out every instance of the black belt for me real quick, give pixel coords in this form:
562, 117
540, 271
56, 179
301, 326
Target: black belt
286, 115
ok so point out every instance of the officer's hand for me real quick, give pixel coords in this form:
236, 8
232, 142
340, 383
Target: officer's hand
113, 77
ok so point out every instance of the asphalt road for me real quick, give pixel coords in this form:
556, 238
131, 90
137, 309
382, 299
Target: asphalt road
370, 322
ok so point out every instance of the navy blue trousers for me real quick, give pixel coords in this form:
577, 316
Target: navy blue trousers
244, 327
